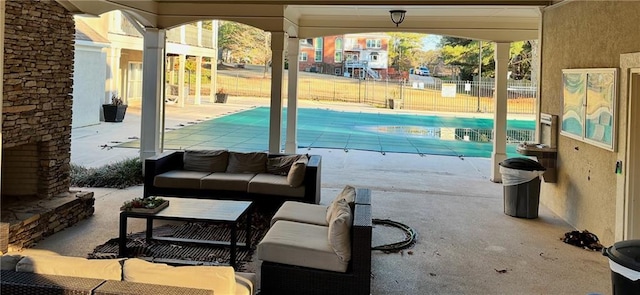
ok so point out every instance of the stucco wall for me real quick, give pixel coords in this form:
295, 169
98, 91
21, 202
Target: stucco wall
88, 96
586, 35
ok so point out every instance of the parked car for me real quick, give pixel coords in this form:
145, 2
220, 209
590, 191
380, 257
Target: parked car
423, 71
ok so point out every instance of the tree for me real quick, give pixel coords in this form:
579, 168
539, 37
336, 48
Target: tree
464, 53
244, 43
403, 48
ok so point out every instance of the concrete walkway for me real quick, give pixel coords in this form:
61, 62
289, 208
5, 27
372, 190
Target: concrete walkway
466, 244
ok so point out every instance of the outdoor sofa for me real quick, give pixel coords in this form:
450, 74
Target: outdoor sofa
315, 249
55, 274
222, 174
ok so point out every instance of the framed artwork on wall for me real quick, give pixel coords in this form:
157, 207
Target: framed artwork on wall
589, 105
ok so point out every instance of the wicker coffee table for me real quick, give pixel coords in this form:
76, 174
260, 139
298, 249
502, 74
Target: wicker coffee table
195, 210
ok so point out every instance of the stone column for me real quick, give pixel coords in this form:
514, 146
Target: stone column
293, 48
277, 70
152, 96
500, 112
214, 61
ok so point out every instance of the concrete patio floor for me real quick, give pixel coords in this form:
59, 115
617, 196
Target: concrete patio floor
465, 245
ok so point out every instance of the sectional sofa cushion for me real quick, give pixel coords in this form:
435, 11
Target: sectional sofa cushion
226, 181
348, 194
206, 161
107, 269
247, 162
179, 179
281, 165
265, 183
221, 279
300, 244
9, 261
301, 212
295, 177
339, 230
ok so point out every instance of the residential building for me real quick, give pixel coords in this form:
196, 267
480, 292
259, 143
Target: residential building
349, 55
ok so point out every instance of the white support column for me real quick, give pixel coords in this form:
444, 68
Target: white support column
182, 95
214, 61
152, 96
293, 50
277, 70
500, 112
198, 89
113, 74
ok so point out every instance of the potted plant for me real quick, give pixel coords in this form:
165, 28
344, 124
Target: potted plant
221, 96
114, 111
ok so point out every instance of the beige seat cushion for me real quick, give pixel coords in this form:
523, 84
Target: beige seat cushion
348, 194
265, 183
107, 269
247, 162
206, 161
301, 212
179, 179
220, 279
295, 177
227, 181
300, 244
339, 230
245, 283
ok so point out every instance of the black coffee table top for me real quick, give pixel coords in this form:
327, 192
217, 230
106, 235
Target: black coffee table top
200, 209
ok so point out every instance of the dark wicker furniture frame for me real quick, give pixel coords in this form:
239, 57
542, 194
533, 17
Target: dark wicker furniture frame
277, 278
173, 160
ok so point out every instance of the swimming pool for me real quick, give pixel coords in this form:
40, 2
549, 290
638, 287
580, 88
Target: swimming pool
379, 132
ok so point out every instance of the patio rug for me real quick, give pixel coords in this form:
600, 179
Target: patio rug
190, 254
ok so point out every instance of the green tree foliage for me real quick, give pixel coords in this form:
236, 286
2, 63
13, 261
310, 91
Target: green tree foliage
464, 53
404, 49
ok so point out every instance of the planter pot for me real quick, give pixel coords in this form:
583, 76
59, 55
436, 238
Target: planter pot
113, 113
221, 97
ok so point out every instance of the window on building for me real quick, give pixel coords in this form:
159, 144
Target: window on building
338, 54
374, 56
134, 81
317, 44
304, 56
337, 71
374, 43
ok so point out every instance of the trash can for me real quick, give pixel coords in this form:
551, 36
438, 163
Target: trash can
521, 182
624, 261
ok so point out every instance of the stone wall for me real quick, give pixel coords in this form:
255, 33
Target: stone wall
31, 221
37, 101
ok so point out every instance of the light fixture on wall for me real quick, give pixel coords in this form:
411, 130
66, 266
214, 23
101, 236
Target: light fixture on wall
397, 16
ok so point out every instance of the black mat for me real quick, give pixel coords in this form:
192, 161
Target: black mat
189, 254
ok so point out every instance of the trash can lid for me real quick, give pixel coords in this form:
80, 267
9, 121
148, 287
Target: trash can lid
522, 164
625, 253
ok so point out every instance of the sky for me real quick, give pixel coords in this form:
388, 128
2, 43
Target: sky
430, 42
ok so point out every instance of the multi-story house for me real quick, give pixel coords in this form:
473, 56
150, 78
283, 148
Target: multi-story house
109, 63
351, 55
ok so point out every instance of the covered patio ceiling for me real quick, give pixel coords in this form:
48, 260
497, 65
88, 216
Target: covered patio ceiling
497, 20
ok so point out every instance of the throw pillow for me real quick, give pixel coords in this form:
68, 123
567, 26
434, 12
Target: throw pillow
348, 194
206, 161
295, 177
339, 230
247, 162
281, 165
107, 269
9, 261
220, 279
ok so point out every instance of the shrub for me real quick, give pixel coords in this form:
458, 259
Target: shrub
122, 174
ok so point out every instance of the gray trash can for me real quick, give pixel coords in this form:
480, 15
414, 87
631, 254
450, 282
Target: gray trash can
624, 261
521, 183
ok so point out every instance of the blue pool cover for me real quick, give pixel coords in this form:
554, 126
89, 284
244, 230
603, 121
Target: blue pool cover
319, 128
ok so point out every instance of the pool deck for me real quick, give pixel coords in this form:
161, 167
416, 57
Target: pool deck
466, 244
